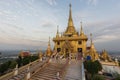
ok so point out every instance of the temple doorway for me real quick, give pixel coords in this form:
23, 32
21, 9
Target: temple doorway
58, 49
79, 50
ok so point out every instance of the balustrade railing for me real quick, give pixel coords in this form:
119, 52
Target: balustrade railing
62, 72
31, 65
83, 72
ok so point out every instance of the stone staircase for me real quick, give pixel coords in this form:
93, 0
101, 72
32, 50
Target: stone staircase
22, 72
49, 72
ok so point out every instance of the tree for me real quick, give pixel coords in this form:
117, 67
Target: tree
5, 66
33, 58
13, 64
117, 76
98, 65
25, 60
92, 67
98, 77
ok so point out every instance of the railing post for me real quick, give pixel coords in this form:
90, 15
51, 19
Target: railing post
16, 70
28, 73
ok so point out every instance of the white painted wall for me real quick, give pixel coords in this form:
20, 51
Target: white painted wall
111, 69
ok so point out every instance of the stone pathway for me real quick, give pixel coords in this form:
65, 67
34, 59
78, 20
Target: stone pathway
49, 72
74, 71
23, 72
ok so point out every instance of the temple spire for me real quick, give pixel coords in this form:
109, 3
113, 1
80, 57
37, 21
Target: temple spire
70, 21
81, 30
49, 42
92, 44
48, 51
57, 34
91, 38
57, 29
70, 28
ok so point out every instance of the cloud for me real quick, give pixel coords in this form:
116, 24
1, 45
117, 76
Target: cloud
48, 24
52, 2
104, 31
83, 14
93, 2
106, 38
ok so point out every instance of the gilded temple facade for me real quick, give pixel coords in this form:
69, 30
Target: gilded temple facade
70, 41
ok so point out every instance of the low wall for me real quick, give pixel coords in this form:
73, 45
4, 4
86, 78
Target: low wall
83, 72
108, 63
111, 69
11, 74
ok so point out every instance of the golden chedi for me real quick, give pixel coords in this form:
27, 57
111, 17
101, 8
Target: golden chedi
40, 54
48, 51
70, 41
105, 56
92, 51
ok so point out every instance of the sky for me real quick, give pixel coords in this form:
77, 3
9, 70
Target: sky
27, 24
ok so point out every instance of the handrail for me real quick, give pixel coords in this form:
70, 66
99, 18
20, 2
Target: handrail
11, 74
6, 76
83, 72
63, 69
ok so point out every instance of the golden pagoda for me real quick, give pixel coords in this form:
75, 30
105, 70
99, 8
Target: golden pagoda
70, 41
48, 51
92, 51
104, 56
40, 54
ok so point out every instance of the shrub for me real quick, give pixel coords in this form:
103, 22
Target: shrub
92, 67
98, 77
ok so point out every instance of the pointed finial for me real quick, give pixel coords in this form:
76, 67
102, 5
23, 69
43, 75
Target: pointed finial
81, 22
91, 37
57, 34
49, 41
70, 13
81, 31
49, 38
57, 29
70, 5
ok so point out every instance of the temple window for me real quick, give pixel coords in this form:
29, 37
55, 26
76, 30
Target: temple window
69, 35
79, 42
58, 43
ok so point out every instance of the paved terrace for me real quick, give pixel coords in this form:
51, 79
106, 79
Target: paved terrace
74, 71
50, 69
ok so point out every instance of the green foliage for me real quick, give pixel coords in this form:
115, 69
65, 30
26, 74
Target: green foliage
98, 77
117, 77
4, 67
13, 64
25, 60
20, 61
7, 65
33, 58
92, 67
98, 65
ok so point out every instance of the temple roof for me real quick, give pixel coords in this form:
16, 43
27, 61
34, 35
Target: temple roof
70, 27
